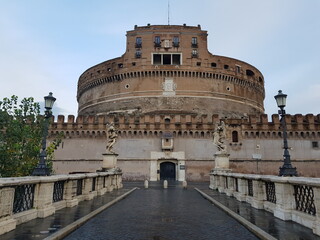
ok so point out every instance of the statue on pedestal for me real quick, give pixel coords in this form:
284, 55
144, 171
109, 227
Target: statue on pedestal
112, 137
219, 137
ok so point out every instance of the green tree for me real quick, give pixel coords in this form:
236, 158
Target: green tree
21, 127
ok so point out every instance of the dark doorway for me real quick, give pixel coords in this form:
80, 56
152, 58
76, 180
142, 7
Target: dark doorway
167, 171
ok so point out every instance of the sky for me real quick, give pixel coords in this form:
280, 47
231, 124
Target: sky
45, 45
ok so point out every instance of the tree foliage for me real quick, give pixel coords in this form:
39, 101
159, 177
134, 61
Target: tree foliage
21, 129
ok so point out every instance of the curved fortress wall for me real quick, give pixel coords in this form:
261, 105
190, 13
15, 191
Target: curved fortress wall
168, 68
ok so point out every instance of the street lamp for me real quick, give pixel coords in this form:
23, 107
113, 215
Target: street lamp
42, 169
286, 169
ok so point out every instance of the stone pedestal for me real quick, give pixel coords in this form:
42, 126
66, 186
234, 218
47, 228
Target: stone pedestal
221, 161
109, 161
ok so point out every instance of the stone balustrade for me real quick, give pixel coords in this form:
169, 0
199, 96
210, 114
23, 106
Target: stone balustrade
25, 198
288, 198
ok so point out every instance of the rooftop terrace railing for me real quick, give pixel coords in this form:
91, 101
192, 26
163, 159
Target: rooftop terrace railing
288, 198
25, 198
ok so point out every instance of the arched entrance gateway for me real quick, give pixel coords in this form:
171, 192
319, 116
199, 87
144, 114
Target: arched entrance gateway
167, 171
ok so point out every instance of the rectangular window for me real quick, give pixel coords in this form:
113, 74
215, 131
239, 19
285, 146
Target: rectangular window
194, 42
315, 144
157, 41
175, 42
138, 54
166, 59
238, 69
157, 59
138, 42
194, 53
176, 59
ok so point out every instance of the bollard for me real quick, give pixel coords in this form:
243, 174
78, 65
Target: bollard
165, 184
184, 184
146, 184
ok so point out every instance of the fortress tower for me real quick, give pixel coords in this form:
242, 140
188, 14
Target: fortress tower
165, 95
168, 69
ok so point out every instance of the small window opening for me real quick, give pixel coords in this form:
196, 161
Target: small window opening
120, 65
198, 64
235, 136
194, 42
213, 64
138, 54
315, 144
249, 73
226, 66
175, 42
109, 69
157, 41
167, 120
134, 63
194, 53
238, 69
138, 42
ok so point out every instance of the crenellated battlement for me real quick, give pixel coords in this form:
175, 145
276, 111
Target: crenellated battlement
253, 126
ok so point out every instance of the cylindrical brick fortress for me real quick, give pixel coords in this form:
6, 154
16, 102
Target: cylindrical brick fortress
168, 69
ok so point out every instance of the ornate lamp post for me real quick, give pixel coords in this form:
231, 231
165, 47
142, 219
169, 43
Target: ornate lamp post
286, 169
42, 169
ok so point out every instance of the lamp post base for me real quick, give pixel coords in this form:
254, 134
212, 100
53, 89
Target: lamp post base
41, 170
288, 171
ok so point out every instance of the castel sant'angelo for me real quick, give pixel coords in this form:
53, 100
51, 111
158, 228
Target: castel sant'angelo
165, 95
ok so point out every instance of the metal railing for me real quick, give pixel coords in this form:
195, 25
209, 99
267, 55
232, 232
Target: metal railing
58, 190
304, 198
23, 198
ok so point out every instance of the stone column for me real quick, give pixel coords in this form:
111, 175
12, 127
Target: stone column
87, 190
99, 187
316, 225
242, 190
222, 184
7, 223
43, 200
70, 193
285, 200
230, 190
258, 194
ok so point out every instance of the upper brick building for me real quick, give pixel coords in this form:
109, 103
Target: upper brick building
168, 68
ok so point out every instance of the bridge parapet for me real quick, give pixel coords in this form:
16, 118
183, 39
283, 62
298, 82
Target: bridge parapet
25, 198
288, 198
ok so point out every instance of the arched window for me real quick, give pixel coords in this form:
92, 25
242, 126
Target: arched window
235, 136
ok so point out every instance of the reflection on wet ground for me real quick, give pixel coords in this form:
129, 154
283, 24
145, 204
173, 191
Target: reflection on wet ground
157, 213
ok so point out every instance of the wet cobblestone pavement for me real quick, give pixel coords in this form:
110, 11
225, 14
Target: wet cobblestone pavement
162, 214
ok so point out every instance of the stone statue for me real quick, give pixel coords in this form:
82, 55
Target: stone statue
219, 136
112, 137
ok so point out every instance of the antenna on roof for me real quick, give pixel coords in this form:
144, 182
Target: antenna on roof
168, 12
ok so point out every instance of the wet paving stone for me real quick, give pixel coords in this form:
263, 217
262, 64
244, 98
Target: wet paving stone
162, 214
